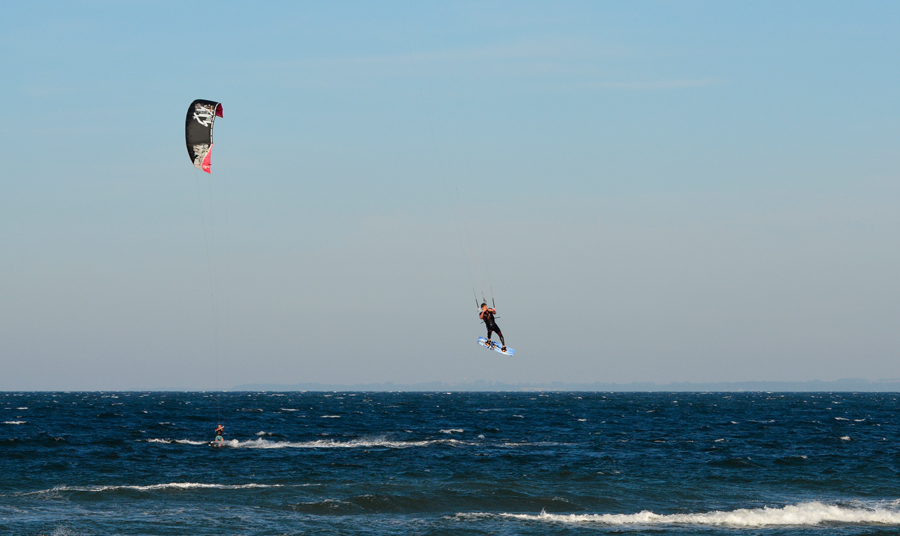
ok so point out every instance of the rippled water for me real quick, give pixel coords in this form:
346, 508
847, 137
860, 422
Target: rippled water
449, 463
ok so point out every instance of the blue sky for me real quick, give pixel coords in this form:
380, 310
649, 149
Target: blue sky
655, 191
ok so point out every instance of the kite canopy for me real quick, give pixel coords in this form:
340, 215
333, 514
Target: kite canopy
198, 130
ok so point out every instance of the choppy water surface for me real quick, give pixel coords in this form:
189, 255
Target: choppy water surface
449, 463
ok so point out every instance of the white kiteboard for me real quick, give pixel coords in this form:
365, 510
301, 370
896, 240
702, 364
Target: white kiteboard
495, 346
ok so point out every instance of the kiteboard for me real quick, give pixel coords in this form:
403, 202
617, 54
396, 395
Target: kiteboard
218, 443
495, 346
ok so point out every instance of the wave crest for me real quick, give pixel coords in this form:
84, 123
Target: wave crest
377, 442
803, 514
152, 487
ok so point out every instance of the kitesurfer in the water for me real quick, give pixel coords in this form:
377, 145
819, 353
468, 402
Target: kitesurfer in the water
487, 314
220, 431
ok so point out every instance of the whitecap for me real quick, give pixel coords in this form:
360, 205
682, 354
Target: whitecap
453, 431
154, 487
375, 442
15, 422
515, 444
803, 514
177, 441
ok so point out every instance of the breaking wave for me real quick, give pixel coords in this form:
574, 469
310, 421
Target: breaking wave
378, 442
152, 487
178, 441
803, 514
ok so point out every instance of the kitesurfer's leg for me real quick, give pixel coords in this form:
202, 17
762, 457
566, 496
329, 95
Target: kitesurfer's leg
500, 334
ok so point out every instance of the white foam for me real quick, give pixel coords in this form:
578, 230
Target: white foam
332, 444
453, 431
178, 441
331, 416
191, 442
158, 487
15, 422
803, 514
512, 444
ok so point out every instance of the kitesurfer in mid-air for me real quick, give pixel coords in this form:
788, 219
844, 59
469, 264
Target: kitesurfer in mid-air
487, 315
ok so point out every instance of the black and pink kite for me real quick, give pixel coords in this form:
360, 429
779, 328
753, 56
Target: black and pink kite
198, 131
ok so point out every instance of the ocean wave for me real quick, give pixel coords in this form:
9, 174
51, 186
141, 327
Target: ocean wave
177, 441
803, 514
334, 444
15, 422
151, 487
516, 444
453, 431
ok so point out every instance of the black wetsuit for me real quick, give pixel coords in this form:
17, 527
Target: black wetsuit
491, 326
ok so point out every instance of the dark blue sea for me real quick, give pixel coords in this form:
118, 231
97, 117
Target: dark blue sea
449, 463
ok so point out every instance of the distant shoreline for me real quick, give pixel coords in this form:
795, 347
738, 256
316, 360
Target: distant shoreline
843, 385
851, 385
